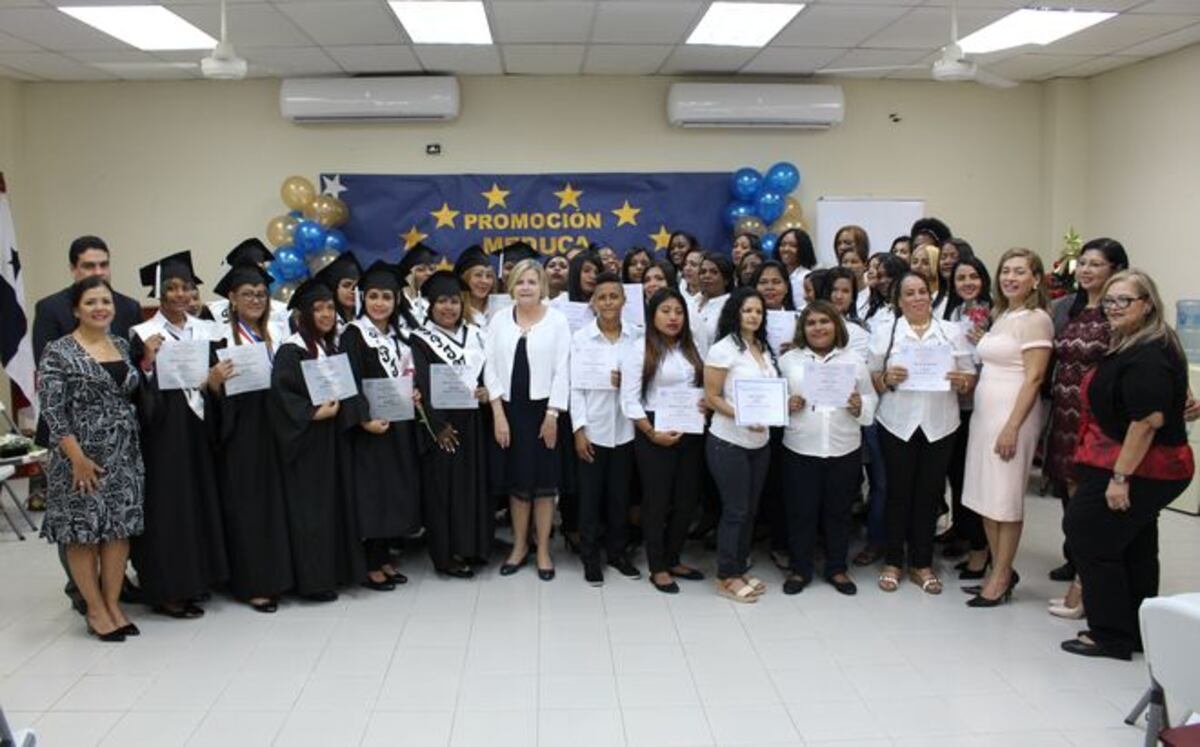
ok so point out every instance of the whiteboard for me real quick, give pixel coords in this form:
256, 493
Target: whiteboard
883, 220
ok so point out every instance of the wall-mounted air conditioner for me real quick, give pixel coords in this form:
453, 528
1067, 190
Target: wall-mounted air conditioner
398, 99
755, 105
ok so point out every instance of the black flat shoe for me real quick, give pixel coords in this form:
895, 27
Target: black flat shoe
378, 585
691, 574
671, 588
1065, 572
625, 568
849, 588
794, 584
461, 572
546, 574
268, 607
396, 578
116, 636
508, 569
321, 596
187, 611
1083, 648
129, 630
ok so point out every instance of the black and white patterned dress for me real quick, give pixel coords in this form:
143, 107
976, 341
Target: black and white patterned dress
80, 398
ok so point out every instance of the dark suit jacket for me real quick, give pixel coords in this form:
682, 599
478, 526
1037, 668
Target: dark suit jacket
53, 318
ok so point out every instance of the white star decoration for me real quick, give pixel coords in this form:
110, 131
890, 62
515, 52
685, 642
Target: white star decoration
333, 185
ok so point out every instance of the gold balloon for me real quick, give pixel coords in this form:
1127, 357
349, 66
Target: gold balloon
341, 213
297, 192
751, 224
327, 210
791, 205
280, 230
787, 222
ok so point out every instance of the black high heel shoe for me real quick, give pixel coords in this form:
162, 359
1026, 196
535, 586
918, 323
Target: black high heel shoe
508, 569
976, 588
979, 600
115, 636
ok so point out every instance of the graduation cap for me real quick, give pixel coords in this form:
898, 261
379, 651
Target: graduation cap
308, 293
516, 252
380, 275
472, 256
178, 265
250, 251
419, 254
345, 266
241, 274
439, 284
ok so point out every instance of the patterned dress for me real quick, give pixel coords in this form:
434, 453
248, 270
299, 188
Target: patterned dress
1077, 348
81, 399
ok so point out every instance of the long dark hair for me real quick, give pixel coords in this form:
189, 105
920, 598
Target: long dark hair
789, 303
825, 291
628, 260
693, 243
806, 254
1114, 254
724, 266
894, 267
657, 346
590, 256
985, 292
668, 270
307, 327
730, 321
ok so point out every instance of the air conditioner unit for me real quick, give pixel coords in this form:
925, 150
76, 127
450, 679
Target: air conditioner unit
398, 99
755, 105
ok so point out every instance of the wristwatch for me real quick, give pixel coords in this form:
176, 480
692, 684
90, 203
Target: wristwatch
1120, 478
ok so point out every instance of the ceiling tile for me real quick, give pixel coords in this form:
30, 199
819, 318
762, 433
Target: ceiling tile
250, 24
345, 22
876, 58
625, 59
707, 59
1117, 34
836, 26
51, 66
791, 60
150, 70
524, 21
290, 61
543, 59
13, 44
467, 59
1097, 65
376, 58
1182, 7
929, 28
8, 72
1113, 5
1009, 4
644, 22
54, 30
1035, 66
1166, 42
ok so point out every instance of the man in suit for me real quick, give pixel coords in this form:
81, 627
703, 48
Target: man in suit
53, 318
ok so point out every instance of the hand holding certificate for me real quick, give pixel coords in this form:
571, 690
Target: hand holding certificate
592, 367
251, 368
760, 402
927, 366
781, 327
328, 379
390, 399
450, 391
678, 409
181, 364
827, 384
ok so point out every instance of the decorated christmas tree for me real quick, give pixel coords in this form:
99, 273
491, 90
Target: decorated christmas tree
1061, 280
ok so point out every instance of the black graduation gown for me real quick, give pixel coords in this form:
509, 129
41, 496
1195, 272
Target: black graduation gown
318, 491
456, 501
252, 502
387, 486
181, 554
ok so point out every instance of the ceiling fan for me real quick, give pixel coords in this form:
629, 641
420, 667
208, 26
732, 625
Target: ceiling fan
952, 66
223, 63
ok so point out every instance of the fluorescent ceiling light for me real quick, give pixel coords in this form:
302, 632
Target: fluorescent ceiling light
436, 22
148, 27
743, 24
1030, 26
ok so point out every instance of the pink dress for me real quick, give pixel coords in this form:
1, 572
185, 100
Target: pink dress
992, 487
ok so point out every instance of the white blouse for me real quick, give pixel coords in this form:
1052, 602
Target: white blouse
826, 431
599, 410
738, 364
674, 370
710, 313
548, 346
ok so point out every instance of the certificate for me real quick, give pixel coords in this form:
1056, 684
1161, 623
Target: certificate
592, 367
578, 313
827, 384
677, 409
181, 364
760, 401
781, 328
927, 367
498, 302
328, 379
390, 399
633, 312
450, 391
251, 368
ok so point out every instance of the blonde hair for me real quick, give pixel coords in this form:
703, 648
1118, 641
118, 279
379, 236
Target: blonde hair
1154, 327
522, 267
1037, 298
934, 255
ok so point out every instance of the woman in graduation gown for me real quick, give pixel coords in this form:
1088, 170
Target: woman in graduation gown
386, 477
341, 277
181, 555
248, 467
417, 264
457, 510
479, 281
318, 490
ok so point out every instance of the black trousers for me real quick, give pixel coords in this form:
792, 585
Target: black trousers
916, 482
820, 491
740, 474
1116, 552
377, 554
773, 510
670, 489
968, 525
604, 500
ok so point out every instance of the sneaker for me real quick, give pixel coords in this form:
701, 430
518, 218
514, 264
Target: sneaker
593, 575
625, 568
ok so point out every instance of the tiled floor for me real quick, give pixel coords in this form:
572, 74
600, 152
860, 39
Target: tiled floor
514, 661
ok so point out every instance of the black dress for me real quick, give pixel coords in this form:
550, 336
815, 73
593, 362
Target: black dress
531, 470
318, 490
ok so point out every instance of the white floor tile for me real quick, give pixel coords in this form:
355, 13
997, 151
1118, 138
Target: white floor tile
238, 729
163, 729
498, 692
848, 720
578, 691
322, 728
580, 728
103, 692
644, 658
342, 694
494, 729
261, 692
33, 693
411, 728
182, 691
653, 689
751, 725
667, 727
75, 728
419, 691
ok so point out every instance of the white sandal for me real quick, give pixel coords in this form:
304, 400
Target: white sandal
744, 595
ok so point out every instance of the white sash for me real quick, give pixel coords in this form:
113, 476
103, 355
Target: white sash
395, 362
193, 329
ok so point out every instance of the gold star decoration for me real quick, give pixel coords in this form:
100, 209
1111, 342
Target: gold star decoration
445, 216
661, 238
445, 265
626, 215
413, 237
568, 196
496, 196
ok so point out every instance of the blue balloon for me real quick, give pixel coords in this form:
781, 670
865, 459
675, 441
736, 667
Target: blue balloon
768, 241
736, 210
335, 240
782, 178
290, 263
275, 270
769, 207
296, 213
746, 183
309, 237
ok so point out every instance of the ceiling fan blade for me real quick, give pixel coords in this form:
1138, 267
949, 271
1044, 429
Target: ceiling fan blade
882, 69
993, 80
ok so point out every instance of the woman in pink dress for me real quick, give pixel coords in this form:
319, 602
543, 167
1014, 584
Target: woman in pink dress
1008, 416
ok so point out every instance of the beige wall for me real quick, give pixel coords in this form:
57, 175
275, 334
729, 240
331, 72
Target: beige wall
10, 136
157, 167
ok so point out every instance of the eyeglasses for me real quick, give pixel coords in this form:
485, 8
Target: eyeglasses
1119, 302
252, 295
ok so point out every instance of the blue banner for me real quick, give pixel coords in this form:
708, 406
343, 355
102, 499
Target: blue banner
553, 212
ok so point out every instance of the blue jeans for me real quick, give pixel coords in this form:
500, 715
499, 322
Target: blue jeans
740, 474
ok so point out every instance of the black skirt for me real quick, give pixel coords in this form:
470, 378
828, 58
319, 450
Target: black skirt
531, 470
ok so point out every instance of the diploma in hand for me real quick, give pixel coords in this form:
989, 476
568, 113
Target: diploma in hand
678, 409
592, 367
251, 368
328, 379
760, 402
927, 366
450, 392
390, 399
781, 327
827, 384
181, 364
633, 312
578, 313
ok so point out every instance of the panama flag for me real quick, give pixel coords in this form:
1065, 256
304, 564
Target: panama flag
16, 344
